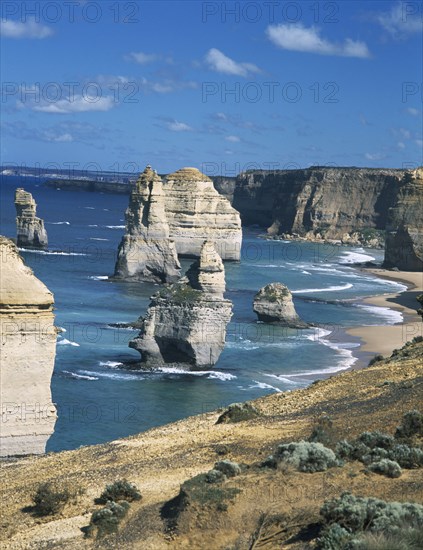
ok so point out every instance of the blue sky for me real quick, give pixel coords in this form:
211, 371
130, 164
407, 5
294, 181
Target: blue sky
223, 86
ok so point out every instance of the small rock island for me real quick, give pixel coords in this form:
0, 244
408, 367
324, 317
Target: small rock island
146, 253
273, 304
186, 322
30, 229
28, 340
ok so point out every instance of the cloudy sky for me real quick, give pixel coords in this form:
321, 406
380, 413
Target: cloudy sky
223, 86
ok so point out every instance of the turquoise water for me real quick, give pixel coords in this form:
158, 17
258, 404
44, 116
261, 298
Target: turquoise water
98, 400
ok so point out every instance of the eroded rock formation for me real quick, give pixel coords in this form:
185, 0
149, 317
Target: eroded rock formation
273, 304
197, 212
404, 230
346, 204
146, 253
30, 229
186, 322
28, 347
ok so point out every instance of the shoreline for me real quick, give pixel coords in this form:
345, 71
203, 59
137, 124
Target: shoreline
383, 339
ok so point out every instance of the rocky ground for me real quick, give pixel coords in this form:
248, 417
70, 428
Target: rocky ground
271, 508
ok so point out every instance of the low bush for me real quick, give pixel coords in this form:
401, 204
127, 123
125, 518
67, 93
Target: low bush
386, 467
107, 519
324, 432
411, 425
50, 498
228, 468
119, 490
375, 359
238, 412
215, 476
305, 456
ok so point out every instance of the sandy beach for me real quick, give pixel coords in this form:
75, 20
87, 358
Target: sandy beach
384, 339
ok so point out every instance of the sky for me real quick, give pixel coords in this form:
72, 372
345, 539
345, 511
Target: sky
221, 86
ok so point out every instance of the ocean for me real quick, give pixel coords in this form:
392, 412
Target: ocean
99, 400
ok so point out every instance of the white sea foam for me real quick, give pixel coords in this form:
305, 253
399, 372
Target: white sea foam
355, 257
59, 223
98, 239
52, 252
98, 277
66, 342
264, 386
80, 376
305, 272
281, 378
115, 226
390, 316
110, 364
210, 373
89, 207
93, 225
328, 289
121, 375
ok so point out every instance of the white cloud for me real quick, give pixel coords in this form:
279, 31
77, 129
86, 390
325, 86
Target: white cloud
233, 139
221, 63
419, 142
176, 126
402, 20
78, 104
142, 58
19, 29
296, 37
401, 145
374, 156
412, 111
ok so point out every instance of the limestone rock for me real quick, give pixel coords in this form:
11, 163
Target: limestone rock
28, 347
186, 322
273, 304
404, 230
30, 229
197, 212
146, 253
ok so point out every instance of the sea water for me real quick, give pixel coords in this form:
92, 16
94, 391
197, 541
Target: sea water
99, 400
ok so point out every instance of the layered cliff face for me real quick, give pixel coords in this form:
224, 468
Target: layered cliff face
330, 203
30, 229
28, 347
273, 304
197, 212
146, 253
404, 230
186, 322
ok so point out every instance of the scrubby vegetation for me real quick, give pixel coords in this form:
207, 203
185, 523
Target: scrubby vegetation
304, 456
237, 412
50, 498
348, 519
375, 359
324, 432
180, 293
386, 467
107, 519
411, 425
120, 490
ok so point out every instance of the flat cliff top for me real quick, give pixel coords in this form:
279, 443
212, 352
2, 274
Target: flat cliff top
159, 460
187, 175
18, 284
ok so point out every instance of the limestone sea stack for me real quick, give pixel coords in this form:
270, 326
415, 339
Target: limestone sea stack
273, 304
186, 322
146, 253
404, 229
197, 212
28, 348
30, 229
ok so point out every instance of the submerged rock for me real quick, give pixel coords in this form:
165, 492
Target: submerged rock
186, 322
197, 212
146, 253
404, 230
28, 339
273, 304
30, 229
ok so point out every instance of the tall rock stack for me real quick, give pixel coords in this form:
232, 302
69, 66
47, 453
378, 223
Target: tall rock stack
404, 230
28, 348
146, 253
197, 212
186, 322
30, 229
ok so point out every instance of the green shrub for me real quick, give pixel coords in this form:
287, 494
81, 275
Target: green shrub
49, 499
215, 476
375, 359
306, 456
107, 519
333, 537
386, 467
238, 412
199, 489
411, 425
119, 490
323, 432
407, 539
228, 468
